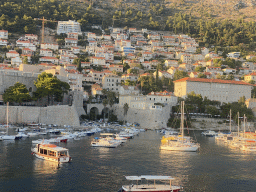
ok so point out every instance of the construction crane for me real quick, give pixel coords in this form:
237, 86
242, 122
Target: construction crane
43, 19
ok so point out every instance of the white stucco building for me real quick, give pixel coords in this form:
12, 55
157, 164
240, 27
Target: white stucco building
68, 27
214, 89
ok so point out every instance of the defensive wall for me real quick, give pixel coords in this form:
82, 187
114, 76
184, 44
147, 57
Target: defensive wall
149, 119
57, 114
10, 77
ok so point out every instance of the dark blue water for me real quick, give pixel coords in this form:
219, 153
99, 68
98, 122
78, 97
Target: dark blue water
214, 168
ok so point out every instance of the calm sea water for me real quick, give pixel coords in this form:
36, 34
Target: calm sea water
214, 168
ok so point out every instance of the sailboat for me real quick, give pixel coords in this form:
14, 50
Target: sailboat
176, 143
7, 136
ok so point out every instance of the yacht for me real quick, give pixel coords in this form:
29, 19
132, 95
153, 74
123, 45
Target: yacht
105, 142
179, 143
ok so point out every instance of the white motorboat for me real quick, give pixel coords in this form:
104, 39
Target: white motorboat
153, 184
51, 152
32, 134
209, 133
103, 142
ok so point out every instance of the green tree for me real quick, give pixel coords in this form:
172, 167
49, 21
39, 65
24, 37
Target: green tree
48, 85
25, 60
201, 75
126, 107
17, 93
179, 75
199, 69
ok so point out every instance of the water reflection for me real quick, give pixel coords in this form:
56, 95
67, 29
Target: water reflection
45, 167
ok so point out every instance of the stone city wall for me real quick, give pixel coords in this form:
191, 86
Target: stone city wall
59, 115
9, 78
149, 119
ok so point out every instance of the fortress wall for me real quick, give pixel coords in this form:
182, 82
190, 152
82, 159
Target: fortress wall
9, 78
60, 115
149, 119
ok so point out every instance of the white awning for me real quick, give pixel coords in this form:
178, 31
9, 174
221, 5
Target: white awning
149, 177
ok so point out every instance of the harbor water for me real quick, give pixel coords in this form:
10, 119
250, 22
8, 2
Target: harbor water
214, 167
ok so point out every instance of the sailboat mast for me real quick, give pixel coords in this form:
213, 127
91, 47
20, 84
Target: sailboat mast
244, 125
182, 120
7, 118
238, 124
230, 121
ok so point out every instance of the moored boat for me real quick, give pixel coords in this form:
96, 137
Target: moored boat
151, 185
209, 133
51, 152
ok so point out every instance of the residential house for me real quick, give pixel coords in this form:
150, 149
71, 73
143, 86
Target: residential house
72, 35
96, 89
111, 82
27, 51
244, 71
250, 65
91, 36
249, 57
31, 37
229, 71
3, 34
249, 77
117, 68
147, 55
101, 61
70, 42
12, 53
16, 61
128, 90
75, 50
22, 43
70, 67
234, 55
3, 42
131, 77
53, 60
163, 74
171, 63
75, 80
186, 58
52, 46
46, 53
193, 74
211, 55
204, 51
85, 64
154, 37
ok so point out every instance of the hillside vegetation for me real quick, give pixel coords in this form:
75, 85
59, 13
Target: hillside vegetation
222, 23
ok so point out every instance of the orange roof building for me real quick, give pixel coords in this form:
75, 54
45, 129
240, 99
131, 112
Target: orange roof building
227, 91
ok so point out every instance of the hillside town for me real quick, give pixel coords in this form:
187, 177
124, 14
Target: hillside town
118, 61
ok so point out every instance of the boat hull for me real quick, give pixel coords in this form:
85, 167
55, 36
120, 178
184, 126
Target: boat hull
149, 188
54, 159
182, 148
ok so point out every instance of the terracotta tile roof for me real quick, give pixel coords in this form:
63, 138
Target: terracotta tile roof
203, 80
164, 93
251, 74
